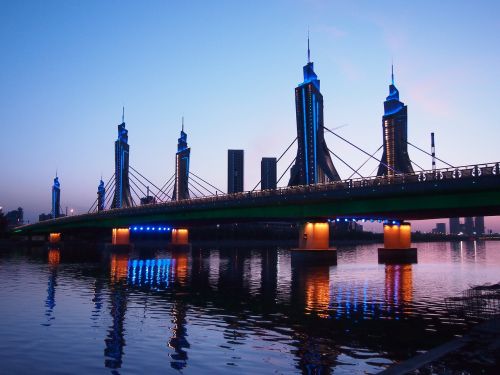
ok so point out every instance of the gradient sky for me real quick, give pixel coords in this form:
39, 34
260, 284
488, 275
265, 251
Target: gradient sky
230, 68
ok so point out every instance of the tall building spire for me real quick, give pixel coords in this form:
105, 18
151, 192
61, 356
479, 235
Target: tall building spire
392, 73
182, 123
308, 50
123, 114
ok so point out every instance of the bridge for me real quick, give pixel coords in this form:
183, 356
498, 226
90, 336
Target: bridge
314, 196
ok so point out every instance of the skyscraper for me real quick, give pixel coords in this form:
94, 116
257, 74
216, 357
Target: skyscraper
454, 225
234, 171
313, 163
479, 225
56, 198
268, 173
122, 197
395, 158
469, 226
181, 184
101, 196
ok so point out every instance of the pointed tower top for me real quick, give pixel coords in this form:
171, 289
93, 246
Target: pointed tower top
308, 50
123, 114
182, 123
392, 73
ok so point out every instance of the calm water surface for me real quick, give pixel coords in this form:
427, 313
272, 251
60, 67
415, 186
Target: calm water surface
228, 310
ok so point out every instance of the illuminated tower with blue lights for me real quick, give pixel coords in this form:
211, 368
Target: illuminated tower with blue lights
395, 158
101, 196
56, 198
181, 185
122, 197
313, 163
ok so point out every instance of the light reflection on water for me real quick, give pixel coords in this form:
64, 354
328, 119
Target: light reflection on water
218, 310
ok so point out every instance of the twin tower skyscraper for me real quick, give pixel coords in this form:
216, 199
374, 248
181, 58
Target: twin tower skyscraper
313, 163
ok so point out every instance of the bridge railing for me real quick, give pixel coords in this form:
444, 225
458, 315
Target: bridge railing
462, 172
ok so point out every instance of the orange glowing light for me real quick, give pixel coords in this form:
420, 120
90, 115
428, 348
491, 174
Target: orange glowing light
317, 285
54, 257
120, 236
54, 237
314, 236
119, 267
180, 236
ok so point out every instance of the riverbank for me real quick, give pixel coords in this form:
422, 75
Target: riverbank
474, 353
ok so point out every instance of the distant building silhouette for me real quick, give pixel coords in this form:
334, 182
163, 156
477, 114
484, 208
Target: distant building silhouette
15, 218
479, 225
395, 157
313, 163
122, 197
235, 171
469, 226
440, 228
181, 184
43, 217
268, 173
455, 225
56, 198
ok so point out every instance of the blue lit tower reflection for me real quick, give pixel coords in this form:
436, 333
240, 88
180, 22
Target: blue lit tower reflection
101, 196
313, 163
54, 258
395, 134
56, 198
181, 187
122, 197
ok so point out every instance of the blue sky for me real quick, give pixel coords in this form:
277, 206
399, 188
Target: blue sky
230, 68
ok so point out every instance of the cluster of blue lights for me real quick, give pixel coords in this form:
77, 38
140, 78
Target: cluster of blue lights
364, 220
150, 228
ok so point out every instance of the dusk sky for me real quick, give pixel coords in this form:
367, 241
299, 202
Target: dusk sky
230, 68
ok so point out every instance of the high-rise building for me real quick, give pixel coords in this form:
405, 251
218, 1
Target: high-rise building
313, 163
181, 184
395, 157
479, 225
235, 171
101, 196
455, 225
268, 173
440, 228
469, 226
56, 198
15, 218
122, 197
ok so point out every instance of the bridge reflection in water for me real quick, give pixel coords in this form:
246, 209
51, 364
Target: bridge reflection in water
241, 284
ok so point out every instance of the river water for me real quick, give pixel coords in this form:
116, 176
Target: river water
229, 310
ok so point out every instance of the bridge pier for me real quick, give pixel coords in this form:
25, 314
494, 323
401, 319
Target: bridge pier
180, 238
54, 238
397, 245
314, 244
120, 237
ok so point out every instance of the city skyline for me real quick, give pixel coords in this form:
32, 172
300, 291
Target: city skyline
151, 116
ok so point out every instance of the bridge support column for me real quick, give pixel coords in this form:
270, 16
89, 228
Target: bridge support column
397, 245
314, 244
54, 238
180, 238
120, 237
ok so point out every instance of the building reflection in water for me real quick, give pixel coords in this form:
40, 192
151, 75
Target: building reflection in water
54, 258
178, 341
115, 340
463, 251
